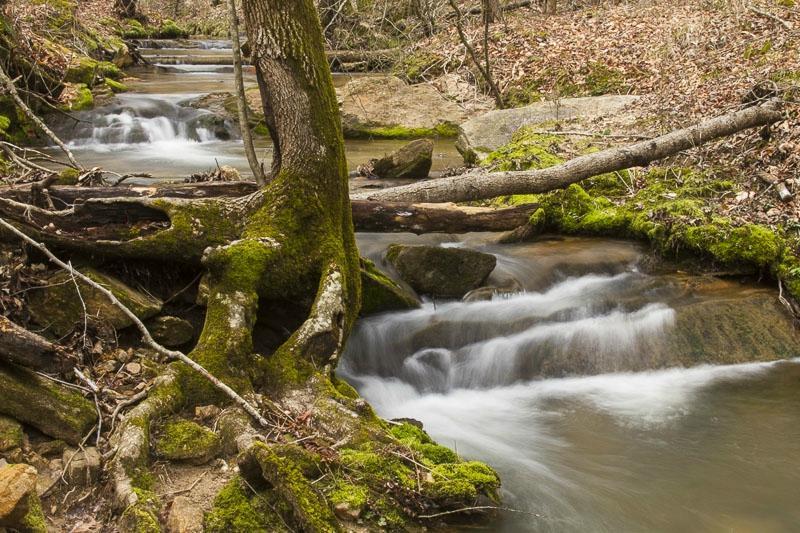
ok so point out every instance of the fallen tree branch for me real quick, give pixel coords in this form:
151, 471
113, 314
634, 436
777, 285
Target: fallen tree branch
482, 185
147, 338
770, 16
22, 347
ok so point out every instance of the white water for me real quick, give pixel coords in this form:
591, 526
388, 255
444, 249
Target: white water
707, 448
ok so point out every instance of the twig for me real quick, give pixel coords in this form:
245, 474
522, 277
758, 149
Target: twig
139, 396
479, 508
187, 489
147, 338
770, 16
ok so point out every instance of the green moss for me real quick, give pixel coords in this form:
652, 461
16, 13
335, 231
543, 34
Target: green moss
419, 441
354, 496
236, 509
527, 150
601, 79
5, 122
183, 440
169, 30
34, 521
380, 293
11, 435
522, 95
115, 86
463, 481
83, 99
444, 129
749, 244
136, 519
133, 29
82, 70
378, 467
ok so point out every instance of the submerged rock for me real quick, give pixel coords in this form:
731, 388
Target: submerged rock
442, 272
58, 306
483, 134
20, 508
412, 161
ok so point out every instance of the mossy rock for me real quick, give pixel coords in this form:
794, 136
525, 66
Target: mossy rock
49, 407
170, 331
20, 508
441, 272
169, 29
237, 509
58, 306
115, 86
379, 293
68, 176
11, 435
412, 161
133, 29
80, 98
183, 440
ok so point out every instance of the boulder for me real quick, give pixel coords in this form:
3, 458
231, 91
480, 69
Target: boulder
483, 134
412, 161
441, 272
49, 407
379, 293
20, 508
11, 435
170, 331
185, 516
58, 306
183, 440
385, 106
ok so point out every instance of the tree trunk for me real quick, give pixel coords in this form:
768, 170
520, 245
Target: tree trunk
481, 185
491, 10
550, 7
128, 9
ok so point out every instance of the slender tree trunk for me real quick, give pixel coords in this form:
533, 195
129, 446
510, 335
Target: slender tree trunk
550, 7
241, 98
127, 8
491, 11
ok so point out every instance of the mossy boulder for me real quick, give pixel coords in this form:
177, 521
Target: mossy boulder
483, 134
183, 440
11, 435
169, 29
77, 97
412, 161
170, 331
20, 508
441, 272
379, 293
58, 306
49, 407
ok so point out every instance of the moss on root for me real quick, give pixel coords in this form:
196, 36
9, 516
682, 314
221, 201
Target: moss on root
237, 509
184, 440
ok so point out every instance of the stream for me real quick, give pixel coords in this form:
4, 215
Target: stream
608, 399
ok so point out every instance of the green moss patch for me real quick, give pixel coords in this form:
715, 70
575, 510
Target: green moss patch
183, 440
238, 510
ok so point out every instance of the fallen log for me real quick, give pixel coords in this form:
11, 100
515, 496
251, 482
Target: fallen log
22, 347
101, 208
481, 185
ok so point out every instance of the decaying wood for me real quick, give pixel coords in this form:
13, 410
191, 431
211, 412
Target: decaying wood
22, 347
482, 185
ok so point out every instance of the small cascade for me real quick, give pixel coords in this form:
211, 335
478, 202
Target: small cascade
148, 119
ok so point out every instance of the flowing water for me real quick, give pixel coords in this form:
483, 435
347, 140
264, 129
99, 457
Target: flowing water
151, 129
575, 391
590, 390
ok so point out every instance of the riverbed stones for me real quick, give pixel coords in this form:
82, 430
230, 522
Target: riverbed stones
385, 106
485, 133
170, 331
58, 306
20, 508
184, 440
412, 161
441, 272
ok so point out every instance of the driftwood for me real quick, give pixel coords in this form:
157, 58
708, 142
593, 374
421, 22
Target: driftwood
482, 185
22, 347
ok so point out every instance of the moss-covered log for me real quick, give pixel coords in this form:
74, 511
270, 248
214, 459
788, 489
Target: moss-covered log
49, 407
